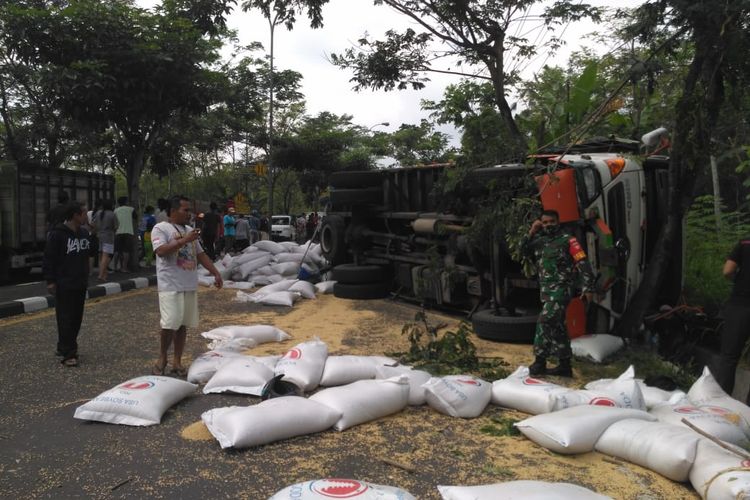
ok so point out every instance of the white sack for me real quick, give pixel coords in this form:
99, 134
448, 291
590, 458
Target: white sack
342, 370
286, 268
286, 299
575, 430
288, 257
652, 396
707, 394
714, 424
719, 474
365, 400
204, 366
264, 271
275, 278
325, 489
527, 394
250, 267
663, 448
271, 420
289, 246
304, 288
259, 333
520, 490
269, 246
303, 364
239, 285
236, 276
620, 393
206, 280
243, 376
233, 345
140, 401
458, 395
597, 347
247, 257
250, 249
325, 286
304, 248
417, 379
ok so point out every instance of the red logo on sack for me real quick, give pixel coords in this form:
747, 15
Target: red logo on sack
468, 381
745, 463
338, 488
602, 402
136, 386
534, 381
293, 354
690, 410
718, 410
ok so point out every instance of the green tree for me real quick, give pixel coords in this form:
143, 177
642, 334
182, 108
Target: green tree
419, 144
475, 34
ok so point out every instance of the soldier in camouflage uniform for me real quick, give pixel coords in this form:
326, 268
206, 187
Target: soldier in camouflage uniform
557, 256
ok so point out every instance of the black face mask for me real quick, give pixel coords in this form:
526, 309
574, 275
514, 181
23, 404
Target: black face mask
551, 230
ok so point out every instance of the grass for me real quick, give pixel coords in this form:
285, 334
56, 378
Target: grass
500, 426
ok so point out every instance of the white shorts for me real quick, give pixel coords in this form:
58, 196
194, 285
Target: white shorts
107, 248
178, 309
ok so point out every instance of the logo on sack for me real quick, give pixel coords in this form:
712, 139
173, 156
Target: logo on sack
137, 386
745, 463
469, 381
688, 410
718, 410
601, 401
534, 381
293, 354
338, 488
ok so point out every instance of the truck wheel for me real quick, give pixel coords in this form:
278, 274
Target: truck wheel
364, 196
353, 274
362, 179
492, 326
332, 239
361, 291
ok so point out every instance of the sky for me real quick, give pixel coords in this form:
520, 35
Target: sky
327, 88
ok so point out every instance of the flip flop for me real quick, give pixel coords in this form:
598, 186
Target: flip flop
156, 370
70, 362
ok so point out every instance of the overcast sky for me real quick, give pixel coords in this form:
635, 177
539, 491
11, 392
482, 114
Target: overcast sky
327, 88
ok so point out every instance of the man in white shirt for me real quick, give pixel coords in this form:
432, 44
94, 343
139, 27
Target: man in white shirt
178, 252
125, 235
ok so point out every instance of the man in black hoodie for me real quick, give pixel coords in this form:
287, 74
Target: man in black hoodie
66, 270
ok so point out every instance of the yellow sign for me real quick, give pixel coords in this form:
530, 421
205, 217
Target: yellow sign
241, 205
261, 169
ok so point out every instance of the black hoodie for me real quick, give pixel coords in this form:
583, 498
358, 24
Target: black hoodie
66, 258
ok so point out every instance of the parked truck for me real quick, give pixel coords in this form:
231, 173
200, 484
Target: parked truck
26, 196
387, 232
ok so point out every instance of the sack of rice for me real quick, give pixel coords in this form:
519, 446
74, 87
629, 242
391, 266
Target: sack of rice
719, 474
714, 424
241, 376
417, 379
325, 489
204, 366
597, 347
342, 370
303, 364
520, 490
259, 333
458, 395
140, 401
520, 391
707, 394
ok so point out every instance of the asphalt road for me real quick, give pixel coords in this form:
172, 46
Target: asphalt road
33, 285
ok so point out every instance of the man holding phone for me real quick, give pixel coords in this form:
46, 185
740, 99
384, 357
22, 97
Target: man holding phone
178, 252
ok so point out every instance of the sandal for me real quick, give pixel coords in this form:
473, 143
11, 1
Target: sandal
157, 370
70, 362
180, 371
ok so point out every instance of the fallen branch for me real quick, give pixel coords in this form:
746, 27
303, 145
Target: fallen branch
716, 440
121, 483
406, 467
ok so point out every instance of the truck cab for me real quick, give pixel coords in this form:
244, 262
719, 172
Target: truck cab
609, 198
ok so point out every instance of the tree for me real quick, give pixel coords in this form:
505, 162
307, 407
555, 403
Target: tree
123, 69
419, 144
478, 34
720, 35
281, 12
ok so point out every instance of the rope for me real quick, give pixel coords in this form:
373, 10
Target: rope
708, 483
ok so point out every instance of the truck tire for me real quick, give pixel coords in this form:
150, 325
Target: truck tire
492, 326
360, 179
361, 196
362, 291
352, 274
332, 239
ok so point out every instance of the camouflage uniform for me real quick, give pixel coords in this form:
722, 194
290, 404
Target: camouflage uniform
557, 256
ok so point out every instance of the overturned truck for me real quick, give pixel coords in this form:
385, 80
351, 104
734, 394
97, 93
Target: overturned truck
392, 232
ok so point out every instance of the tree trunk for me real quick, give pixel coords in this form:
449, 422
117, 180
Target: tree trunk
519, 146
133, 175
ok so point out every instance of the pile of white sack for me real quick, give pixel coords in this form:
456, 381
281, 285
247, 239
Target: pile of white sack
641, 424
268, 262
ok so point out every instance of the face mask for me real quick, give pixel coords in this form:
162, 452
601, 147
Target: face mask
550, 230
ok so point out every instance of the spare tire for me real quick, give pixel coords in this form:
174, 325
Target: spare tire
488, 324
332, 239
362, 291
353, 274
359, 179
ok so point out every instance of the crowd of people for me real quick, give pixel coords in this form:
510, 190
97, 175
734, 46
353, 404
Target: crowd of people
172, 236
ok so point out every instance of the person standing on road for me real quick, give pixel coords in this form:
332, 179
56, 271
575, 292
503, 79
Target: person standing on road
125, 236
254, 224
106, 226
736, 316
178, 253
242, 233
66, 270
148, 221
557, 255
229, 230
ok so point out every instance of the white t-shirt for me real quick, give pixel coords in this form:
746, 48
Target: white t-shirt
178, 271
124, 216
